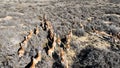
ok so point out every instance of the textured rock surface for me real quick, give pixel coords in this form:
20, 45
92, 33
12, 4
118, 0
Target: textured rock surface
88, 49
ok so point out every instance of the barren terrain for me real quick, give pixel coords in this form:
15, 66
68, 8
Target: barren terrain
95, 26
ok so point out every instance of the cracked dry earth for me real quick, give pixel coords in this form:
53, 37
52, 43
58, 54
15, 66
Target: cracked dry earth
95, 26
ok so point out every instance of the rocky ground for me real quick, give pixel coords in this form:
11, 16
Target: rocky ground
95, 26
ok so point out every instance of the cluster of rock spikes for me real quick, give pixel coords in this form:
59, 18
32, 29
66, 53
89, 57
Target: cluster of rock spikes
55, 44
